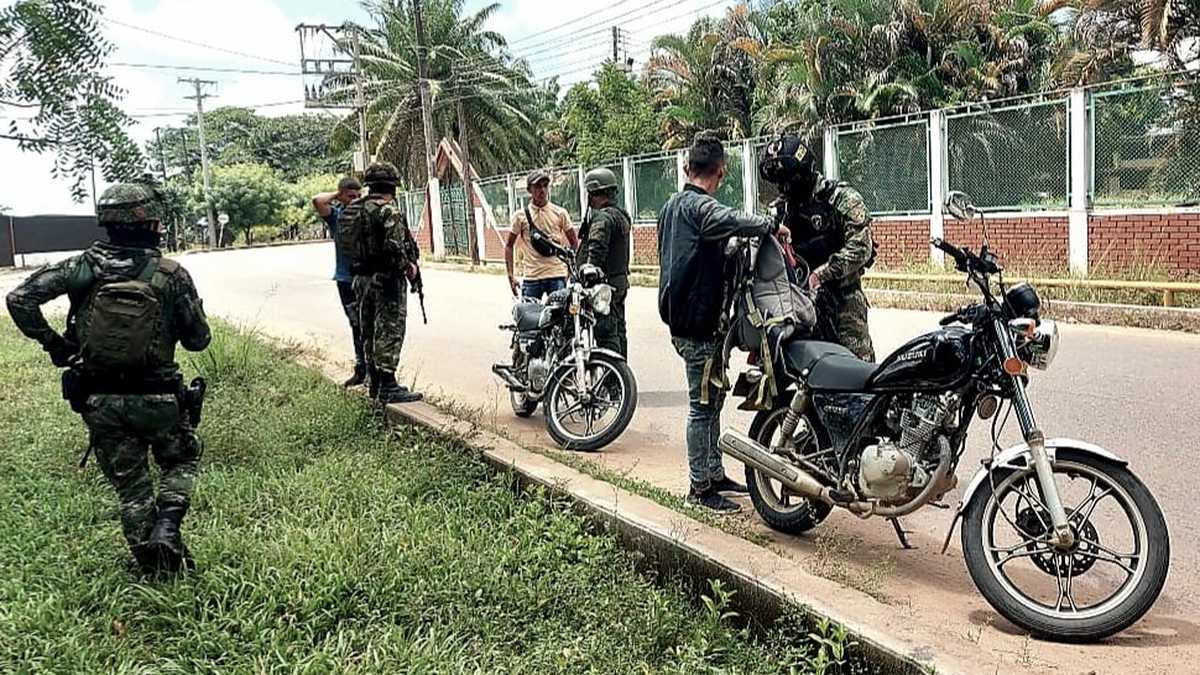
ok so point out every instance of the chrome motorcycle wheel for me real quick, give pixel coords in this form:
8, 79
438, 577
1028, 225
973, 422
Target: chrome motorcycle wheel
1102, 584
579, 423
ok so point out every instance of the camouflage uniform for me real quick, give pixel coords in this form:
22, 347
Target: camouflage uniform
123, 420
604, 242
839, 255
388, 248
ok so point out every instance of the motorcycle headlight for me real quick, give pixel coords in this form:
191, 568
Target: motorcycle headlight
601, 298
1043, 346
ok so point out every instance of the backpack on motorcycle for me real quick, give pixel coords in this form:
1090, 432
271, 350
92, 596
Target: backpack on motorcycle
121, 319
765, 310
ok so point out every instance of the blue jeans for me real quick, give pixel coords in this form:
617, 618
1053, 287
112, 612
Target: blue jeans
539, 288
704, 421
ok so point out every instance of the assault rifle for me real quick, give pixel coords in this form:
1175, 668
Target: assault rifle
418, 287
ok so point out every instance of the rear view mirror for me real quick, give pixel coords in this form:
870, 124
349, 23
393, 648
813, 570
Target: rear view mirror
959, 205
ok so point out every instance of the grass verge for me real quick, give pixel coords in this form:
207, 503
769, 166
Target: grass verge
329, 544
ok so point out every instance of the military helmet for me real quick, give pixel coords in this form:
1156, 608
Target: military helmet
786, 159
381, 172
599, 179
129, 204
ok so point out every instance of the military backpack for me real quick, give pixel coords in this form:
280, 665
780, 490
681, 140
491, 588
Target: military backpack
350, 234
119, 321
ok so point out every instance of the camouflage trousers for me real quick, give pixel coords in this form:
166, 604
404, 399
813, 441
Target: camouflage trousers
382, 318
122, 429
851, 321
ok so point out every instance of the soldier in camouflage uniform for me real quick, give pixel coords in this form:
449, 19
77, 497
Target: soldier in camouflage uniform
831, 231
384, 261
604, 242
128, 409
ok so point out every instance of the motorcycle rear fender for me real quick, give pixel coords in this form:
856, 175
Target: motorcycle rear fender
1017, 457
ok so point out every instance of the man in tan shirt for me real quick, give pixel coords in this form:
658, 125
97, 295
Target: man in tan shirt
541, 275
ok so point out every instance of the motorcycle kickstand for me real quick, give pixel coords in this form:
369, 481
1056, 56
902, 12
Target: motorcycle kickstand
902, 535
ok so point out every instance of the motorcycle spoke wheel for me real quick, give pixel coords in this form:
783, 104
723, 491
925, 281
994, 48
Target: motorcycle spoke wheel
1024, 559
581, 420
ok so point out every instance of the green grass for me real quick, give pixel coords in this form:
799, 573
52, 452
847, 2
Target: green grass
329, 544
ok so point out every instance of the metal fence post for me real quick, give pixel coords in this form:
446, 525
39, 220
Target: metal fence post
583, 195
680, 169
630, 200
749, 195
1081, 149
937, 182
434, 202
512, 199
829, 143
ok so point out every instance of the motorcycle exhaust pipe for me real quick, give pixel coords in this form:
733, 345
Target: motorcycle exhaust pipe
505, 373
751, 453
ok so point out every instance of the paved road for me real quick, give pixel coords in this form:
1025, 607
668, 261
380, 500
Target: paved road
1133, 391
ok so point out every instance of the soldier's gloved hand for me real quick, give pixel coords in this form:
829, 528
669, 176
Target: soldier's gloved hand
61, 351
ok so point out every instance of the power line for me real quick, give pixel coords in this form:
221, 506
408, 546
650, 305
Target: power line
571, 21
240, 71
193, 43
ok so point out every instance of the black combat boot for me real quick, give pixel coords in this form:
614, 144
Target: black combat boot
373, 383
391, 392
166, 542
359, 376
143, 553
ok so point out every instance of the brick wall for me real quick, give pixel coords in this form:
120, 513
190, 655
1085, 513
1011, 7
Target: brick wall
900, 241
645, 245
1036, 241
424, 237
1171, 241
493, 243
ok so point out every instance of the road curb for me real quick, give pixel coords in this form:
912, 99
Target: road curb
673, 543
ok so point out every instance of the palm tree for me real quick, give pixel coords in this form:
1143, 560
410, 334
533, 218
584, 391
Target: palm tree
1105, 33
703, 80
468, 65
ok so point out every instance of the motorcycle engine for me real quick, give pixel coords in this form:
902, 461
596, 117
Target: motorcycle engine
539, 373
893, 468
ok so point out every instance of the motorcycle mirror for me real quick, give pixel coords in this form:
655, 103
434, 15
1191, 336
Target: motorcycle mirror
959, 205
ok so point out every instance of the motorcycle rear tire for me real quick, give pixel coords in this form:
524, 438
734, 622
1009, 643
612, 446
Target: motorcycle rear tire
522, 405
804, 516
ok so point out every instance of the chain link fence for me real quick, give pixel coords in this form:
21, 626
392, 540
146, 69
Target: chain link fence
1011, 158
495, 191
564, 191
655, 179
733, 191
1146, 147
888, 165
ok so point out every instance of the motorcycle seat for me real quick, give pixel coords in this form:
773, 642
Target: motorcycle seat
526, 315
826, 366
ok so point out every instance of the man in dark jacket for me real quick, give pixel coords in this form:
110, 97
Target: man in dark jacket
329, 206
693, 229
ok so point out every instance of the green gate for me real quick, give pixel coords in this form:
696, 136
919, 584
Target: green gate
454, 220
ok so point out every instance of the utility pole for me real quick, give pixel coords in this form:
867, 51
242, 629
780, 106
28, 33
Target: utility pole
204, 168
616, 45
162, 157
360, 104
423, 87
468, 183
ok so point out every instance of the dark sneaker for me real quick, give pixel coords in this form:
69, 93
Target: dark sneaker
713, 501
729, 486
399, 395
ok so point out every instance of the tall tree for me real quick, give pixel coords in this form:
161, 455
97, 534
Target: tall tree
466, 62
51, 58
612, 119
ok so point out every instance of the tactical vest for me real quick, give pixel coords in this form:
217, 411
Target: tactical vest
123, 326
616, 262
818, 229
349, 234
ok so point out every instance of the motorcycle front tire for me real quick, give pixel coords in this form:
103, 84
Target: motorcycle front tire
629, 398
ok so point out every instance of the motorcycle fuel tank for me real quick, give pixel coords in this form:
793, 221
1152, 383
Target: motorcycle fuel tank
936, 361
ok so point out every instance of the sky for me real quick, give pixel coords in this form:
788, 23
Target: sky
558, 37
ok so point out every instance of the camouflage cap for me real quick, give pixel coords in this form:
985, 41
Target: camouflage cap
129, 203
536, 176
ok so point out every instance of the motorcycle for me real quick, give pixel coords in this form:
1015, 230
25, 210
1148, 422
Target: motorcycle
1059, 536
589, 394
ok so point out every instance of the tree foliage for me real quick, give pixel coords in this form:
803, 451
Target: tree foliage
250, 193
292, 145
612, 119
51, 58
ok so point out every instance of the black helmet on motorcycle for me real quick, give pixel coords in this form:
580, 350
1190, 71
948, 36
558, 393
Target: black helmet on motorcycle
789, 163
